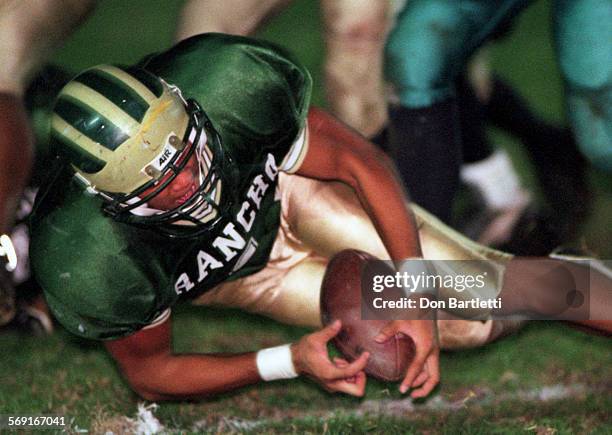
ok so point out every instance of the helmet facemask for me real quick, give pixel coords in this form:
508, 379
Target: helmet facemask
204, 206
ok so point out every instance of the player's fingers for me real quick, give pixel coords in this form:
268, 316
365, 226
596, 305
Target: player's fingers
348, 388
420, 379
361, 377
360, 382
388, 331
432, 381
330, 331
413, 371
340, 362
355, 388
351, 369
343, 363
425, 389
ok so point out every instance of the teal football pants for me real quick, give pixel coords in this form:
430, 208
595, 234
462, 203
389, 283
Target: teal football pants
433, 40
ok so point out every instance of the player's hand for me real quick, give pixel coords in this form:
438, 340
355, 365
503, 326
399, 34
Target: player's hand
310, 357
424, 372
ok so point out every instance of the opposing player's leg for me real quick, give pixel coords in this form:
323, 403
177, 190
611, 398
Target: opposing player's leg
511, 221
16, 152
576, 289
582, 37
237, 17
7, 295
539, 288
488, 172
22, 53
23, 49
355, 33
29, 30
426, 50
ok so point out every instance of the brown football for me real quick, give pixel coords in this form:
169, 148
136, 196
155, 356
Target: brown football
341, 299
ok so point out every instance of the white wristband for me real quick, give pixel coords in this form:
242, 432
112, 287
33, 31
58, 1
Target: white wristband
276, 363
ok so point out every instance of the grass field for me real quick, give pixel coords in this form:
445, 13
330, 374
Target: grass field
547, 379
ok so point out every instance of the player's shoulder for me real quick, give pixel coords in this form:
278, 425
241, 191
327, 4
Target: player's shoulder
98, 276
64, 212
94, 284
70, 230
218, 61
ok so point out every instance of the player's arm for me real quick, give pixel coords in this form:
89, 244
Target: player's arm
335, 152
338, 153
156, 373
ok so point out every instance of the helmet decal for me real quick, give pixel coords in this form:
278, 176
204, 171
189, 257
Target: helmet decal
156, 166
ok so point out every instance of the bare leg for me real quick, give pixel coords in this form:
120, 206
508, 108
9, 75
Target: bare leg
557, 288
237, 17
355, 35
30, 30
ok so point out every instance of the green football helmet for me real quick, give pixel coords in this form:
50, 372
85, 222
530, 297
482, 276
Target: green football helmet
126, 131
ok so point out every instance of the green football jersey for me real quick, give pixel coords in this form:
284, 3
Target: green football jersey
104, 279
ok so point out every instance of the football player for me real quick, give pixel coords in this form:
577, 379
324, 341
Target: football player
430, 46
203, 175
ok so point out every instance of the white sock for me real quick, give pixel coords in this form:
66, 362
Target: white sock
496, 180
